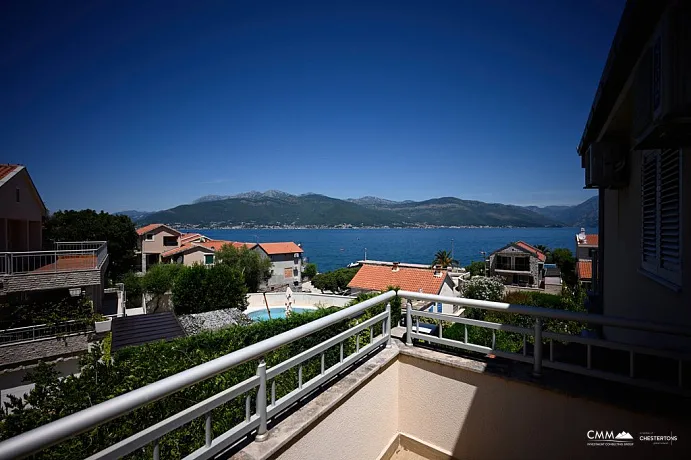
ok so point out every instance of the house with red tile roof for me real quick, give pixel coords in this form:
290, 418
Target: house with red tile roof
518, 264
374, 276
154, 240
586, 256
286, 261
199, 252
21, 212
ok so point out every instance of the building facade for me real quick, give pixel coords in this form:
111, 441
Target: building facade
154, 240
518, 264
286, 263
634, 150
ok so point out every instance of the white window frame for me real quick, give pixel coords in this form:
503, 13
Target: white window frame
149, 237
653, 260
213, 259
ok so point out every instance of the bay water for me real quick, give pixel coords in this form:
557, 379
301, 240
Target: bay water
336, 248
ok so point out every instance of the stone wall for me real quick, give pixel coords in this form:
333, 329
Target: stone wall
51, 347
41, 281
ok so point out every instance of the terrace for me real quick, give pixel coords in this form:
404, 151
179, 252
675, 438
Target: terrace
424, 396
70, 264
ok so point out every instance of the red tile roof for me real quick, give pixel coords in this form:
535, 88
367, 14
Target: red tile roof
535, 251
190, 236
591, 240
6, 169
379, 277
585, 269
152, 227
280, 248
213, 245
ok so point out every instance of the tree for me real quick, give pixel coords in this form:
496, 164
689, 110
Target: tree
158, 280
546, 251
198, 289
88, 225
255, 268
335, 281
444, 259
566, 262
476, 268
483, 289
310, 271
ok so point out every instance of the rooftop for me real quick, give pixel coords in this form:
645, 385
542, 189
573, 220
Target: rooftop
151, 227
585, 270
379, 277
139, 329
280, 248
7, 169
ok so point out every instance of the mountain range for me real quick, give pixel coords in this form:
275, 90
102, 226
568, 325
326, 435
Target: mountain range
276, 208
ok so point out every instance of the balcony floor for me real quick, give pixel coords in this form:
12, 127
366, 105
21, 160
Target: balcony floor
67, 263
404, 454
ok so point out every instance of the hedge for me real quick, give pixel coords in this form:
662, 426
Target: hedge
135, 367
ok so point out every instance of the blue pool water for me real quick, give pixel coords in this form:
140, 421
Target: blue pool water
278, 312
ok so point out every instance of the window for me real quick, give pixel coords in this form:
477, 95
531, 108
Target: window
17, 194
592, 252
208, 259
149, 237
287, 272
522, 264
170, 241
661, 214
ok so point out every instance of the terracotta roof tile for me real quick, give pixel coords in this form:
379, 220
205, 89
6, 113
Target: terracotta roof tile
585, 269
379, 277
213, 245
592, 240
6, 169
539, 254
280, 248
151, 227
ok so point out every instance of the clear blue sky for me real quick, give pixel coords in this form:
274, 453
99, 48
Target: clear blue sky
148, 107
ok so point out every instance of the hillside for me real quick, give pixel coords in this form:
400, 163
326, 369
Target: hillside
580, 215
275, 208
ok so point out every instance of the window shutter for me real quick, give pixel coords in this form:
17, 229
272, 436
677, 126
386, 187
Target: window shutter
649, 209
669, 209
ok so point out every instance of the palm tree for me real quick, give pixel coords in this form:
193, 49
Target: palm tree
444, 259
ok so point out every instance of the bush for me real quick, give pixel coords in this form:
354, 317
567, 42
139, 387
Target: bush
198, 289
255, 268
483, 289
133, 287
160, 279
310, 271
335, 281
476, 268
46, 307
134, 367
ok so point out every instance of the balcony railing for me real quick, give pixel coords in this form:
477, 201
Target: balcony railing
268, 407
42, 331
67, 257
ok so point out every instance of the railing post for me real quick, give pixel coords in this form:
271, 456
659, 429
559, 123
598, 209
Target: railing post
537, 349
388, 325
262, 433
409, 323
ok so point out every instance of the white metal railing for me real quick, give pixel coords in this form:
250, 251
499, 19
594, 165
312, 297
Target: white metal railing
539, 336
269, 406
42, 331
52, 433
67, 256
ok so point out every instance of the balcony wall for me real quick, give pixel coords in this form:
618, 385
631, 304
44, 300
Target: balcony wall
456, 408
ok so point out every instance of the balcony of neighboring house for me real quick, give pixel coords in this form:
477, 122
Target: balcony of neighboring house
67, 265
370, 391
514, 270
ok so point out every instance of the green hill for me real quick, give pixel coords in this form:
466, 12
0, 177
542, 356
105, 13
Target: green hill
276, 209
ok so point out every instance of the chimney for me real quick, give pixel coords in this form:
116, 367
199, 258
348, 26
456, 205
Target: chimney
581, 236
395, 267
437, 271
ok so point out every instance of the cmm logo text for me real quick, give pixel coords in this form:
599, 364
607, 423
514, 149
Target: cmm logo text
608, 438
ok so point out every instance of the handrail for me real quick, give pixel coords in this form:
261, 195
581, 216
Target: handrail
552, 313
79, 422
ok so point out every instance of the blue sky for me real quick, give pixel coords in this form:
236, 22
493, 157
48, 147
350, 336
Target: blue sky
147, 107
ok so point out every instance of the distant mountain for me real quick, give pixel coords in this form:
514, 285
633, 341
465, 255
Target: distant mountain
275, 208
134, 215
581, 215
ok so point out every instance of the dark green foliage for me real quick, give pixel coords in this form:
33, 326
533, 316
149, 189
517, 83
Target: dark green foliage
477, 268
135, 367
198, 289
312, 209
133, 287
508, 341
310, 271
255, 268
88, 225
158, 280
335, 281
444, 259
566, 262
44, 307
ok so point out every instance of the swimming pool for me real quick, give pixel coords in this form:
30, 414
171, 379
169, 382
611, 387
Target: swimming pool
276, 312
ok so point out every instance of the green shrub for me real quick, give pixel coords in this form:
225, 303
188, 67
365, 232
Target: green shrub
198, 289
483, 289
45, 308
335, 281
310, 271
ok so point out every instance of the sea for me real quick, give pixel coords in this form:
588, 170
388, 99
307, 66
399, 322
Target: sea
335, 248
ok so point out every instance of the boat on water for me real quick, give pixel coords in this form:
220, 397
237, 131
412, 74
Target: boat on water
353, 265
